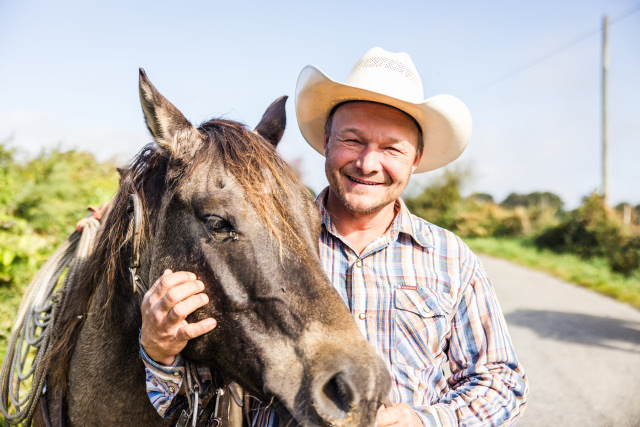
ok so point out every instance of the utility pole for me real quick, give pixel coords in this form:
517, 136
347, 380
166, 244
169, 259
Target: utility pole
605, 66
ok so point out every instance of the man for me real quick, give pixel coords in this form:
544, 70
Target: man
417, 292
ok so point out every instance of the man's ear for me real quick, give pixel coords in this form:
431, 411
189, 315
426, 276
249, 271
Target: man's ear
417, 160
326, 143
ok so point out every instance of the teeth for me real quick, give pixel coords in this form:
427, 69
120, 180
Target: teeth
361, 182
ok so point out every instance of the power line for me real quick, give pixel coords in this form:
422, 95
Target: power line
555, 52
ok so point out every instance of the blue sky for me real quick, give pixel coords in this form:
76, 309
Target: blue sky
68, 76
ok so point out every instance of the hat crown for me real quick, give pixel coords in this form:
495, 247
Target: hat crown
392, 74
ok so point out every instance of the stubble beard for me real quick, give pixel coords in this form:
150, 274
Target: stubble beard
393, 191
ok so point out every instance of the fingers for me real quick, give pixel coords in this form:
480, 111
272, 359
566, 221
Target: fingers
168, 280
193, 330
386, 417
399, 415
179, 294
188, 303
169, 290
165, 331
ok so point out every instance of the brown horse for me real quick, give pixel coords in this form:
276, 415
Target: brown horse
217, 201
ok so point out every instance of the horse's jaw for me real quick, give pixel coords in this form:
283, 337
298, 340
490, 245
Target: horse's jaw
326, 378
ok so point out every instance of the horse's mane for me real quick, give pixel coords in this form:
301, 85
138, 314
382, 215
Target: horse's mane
266, 178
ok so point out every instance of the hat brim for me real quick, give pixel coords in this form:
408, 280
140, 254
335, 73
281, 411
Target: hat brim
444, 119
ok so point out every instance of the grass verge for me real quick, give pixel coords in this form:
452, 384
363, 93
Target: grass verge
592, 273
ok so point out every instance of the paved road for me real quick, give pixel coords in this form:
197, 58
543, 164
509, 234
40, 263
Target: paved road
581, 350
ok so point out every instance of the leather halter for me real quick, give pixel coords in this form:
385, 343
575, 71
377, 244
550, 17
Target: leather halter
134, 209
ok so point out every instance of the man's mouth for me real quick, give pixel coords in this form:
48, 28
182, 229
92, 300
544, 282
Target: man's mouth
359, 181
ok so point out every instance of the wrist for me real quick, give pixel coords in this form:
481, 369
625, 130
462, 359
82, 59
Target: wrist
157, 356
166, 361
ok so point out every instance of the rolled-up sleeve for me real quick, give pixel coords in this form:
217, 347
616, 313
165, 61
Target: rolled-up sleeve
163, 382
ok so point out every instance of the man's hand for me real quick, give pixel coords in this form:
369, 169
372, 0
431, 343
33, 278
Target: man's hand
165, 306
400, 415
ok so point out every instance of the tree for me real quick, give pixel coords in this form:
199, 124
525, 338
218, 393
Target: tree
536, 199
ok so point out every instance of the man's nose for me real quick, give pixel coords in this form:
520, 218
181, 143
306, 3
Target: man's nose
368, 160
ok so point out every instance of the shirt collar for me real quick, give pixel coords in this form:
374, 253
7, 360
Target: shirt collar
404, 222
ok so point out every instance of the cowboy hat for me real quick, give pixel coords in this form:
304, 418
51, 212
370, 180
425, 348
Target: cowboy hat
391, 79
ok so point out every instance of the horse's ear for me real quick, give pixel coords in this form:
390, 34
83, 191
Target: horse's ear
273, 122
164, 120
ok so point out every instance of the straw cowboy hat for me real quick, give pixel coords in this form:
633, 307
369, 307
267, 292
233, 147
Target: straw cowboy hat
391, 79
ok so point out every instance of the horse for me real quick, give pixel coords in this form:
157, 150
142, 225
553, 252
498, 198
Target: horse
216, 200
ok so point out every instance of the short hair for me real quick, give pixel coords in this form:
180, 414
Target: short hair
329, 122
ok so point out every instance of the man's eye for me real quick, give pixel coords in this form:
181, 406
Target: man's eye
349, 141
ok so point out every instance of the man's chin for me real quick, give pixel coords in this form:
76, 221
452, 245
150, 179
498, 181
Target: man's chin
361, 207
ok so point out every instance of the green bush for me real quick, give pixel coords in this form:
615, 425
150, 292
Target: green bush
531, 200
441, 201
478, 215
593, 231
489, 220
626, 259
41, 200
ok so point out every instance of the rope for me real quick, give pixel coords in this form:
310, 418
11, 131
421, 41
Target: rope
30, 338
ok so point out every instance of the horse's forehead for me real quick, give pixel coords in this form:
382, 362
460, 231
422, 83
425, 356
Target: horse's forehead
209, 179
217, 178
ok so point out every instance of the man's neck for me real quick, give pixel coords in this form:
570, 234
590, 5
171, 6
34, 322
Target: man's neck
359, 229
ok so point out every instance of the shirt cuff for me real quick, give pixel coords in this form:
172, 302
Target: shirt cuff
163, 382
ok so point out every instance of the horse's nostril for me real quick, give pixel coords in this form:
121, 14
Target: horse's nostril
335, 398
338, 391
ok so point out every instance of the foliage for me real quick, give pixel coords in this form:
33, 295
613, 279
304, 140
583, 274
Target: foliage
531, 200
478, 215
630, 215
440, 201
489, 219
41, 200
481, 197
593, 231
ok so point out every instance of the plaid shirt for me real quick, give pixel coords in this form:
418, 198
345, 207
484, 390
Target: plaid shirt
421, 297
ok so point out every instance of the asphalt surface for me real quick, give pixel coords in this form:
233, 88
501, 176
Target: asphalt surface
580, 350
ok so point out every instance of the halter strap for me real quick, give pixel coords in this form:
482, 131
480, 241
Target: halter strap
134, 209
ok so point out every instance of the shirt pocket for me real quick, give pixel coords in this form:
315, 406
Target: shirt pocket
422, 321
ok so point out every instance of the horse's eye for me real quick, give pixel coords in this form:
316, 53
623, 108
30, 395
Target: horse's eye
216, 223
220, 227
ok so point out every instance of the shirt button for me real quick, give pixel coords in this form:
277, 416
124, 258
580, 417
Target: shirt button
172, 389
362, 316
176, 373
358, 263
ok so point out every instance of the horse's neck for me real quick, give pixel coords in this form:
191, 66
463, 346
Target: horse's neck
119, 309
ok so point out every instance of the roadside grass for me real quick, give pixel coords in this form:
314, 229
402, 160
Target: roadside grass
592, 273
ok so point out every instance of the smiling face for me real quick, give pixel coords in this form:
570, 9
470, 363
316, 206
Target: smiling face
371, 150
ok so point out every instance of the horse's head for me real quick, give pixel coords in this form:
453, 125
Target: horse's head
234, 213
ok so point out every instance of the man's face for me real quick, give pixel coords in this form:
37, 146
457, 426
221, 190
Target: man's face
370, 154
